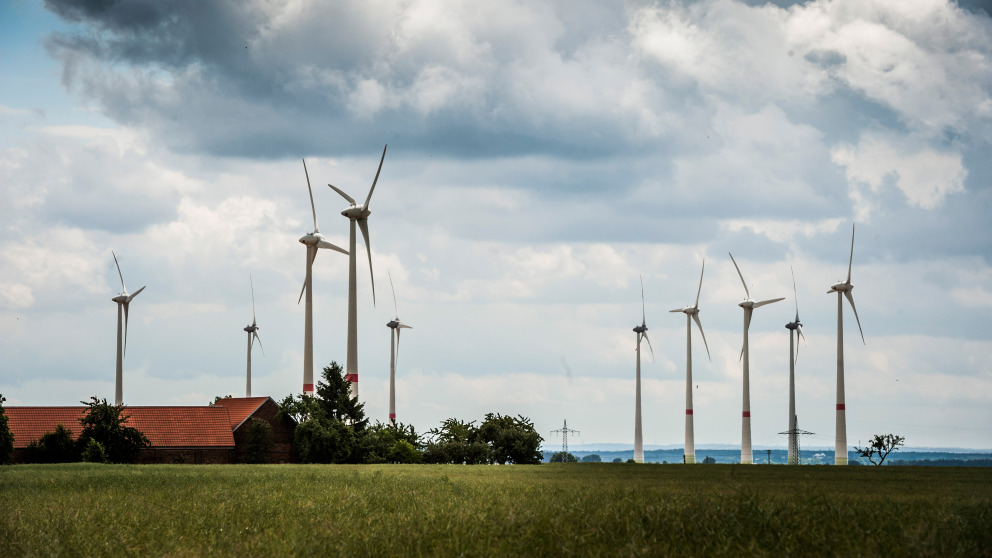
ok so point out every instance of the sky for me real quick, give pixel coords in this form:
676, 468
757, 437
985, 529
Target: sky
542, 157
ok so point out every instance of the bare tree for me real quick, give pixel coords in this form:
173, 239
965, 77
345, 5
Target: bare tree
880, 446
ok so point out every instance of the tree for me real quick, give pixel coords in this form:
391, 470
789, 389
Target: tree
563, 457
617, 460
107, 424
511, 440
386, 443
709, 459
94, 453
881, 446
6, 437
331, 424
456, 442
592, 458
259, 444
218, 398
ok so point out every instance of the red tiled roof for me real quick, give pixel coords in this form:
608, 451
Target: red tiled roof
163, 426
28, 424
241, 408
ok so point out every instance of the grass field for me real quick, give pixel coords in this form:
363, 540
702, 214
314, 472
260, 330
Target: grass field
545, 510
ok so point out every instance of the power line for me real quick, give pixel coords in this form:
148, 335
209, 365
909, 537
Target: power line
564, 431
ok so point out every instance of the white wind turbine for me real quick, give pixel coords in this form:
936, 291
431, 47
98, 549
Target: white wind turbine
642, 332
123, 300
794, 327
313, 241
748, 304
691, 313
252, 337
394, 352
360, 214
843, 289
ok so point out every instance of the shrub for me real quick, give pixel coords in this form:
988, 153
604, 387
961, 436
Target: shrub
94, 452
259, 444
563, 457
6, 437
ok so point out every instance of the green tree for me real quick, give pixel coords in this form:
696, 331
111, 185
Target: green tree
563, 457
384, 443
331, 424
259, 443
456, 442
94, 453
592, 458
881, 446
6, 437
709, 460
107, 424
511, 439
53, 447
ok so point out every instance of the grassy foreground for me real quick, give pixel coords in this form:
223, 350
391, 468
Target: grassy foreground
583, 509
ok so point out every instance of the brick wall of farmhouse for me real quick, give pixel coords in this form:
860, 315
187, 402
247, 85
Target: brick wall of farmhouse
282, 434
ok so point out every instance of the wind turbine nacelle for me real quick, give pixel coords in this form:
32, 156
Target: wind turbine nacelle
793, 325
120, 299
841, 287
749, 303
393, 324
690, 310
640, 329
356, 212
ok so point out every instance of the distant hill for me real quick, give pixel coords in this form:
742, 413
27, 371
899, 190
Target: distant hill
813, 456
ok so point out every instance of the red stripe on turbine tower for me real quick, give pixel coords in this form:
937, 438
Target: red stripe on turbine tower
688, 411
840, 407
351, 377
746, 414
307, 387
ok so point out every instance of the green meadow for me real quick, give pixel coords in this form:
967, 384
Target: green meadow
452, 510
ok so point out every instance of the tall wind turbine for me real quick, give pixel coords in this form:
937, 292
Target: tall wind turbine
691, 313
123, 300
748, 304
313, 241
642, 332
394, 352
794, 327
252, 337
360, 214
843, 289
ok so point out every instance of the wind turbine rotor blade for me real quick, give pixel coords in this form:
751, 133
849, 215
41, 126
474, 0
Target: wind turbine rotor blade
134, 294
119, 274
850, 298
404, 326
254, 338
645, 335
747, 320
795, 294
125, 327
748, 293
364, 225
303, 290
313, 258
313, 208
769, 301
369, 198
393, 289
851, 260
695, 318
343, 195
700, 289
326, 244
800, 330
643, 315
676, 310
252, 283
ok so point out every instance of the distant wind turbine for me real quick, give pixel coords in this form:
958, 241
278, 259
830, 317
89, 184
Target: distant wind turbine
360, 214
252, 337
748, 304
843, 289
395, 325
313, 241
794, 327
691, 313
123, 300
642, 333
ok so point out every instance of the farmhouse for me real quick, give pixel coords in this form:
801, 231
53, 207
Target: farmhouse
207, 434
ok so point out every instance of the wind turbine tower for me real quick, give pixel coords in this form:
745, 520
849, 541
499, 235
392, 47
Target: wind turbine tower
748, 304
357, 214
843, 289
252, 337
313, 241
394, 352
691, 313
794, 327
642, 333
123, 300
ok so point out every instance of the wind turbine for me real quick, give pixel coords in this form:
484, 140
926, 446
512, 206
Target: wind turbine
123, 300
748, 304
252, 337
691, 313
794, 327
843, 289
394, 352
642, 332
360, 214
313, 241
